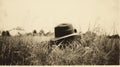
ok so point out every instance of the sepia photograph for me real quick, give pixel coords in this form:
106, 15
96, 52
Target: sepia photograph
59, 32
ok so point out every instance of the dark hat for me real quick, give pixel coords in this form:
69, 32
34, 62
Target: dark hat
64, 30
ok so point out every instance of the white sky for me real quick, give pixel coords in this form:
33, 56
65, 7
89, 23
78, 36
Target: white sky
45, 14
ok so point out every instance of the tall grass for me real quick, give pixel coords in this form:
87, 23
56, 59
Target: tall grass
34, 50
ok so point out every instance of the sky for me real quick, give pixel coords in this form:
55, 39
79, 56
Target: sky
46, 14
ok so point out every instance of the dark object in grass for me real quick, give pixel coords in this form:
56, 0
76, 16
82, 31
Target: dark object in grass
116, 36
5, 33
64, 34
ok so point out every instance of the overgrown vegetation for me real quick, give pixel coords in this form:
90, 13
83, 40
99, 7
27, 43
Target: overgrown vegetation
33, 50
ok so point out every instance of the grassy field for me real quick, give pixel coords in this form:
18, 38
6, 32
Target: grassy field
33, 50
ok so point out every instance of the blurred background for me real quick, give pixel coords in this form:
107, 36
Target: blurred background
46, 14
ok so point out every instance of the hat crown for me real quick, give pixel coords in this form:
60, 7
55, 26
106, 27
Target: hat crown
63, 30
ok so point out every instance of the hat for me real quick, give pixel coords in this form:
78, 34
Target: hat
64, 30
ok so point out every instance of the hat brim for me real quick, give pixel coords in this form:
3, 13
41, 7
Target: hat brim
66, 36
